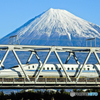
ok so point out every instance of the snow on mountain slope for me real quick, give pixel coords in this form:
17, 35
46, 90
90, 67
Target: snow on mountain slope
55, 27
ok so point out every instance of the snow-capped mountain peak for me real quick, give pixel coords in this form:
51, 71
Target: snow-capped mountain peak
54, 24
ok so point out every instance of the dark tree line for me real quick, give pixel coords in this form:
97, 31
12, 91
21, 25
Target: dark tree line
48, 95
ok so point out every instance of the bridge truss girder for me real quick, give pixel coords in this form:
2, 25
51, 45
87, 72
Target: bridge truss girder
49, 49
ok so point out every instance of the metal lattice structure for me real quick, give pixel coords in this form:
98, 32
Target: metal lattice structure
69, 81
14, 40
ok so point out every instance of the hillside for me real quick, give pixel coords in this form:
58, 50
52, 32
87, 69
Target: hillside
55, 27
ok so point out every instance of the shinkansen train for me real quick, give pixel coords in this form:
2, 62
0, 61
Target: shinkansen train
52, 70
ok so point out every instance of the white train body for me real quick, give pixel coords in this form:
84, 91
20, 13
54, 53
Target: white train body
52, 70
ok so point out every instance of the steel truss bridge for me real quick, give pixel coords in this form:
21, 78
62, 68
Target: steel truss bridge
47, 83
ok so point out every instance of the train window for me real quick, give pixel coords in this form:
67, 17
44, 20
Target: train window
72, 68
28, 67
68, 68
43, 68
52, 68
33, 66
15, 66
88, 69
93, 67
47, 68
59, 68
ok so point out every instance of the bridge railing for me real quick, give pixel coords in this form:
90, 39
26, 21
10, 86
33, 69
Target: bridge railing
49, 49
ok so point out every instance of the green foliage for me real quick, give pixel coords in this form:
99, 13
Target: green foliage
62, 91
80, 90
96, 90
13, 96
75, 90
1, 93
22, 91
46, 95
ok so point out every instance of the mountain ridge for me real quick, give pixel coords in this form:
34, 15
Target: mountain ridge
54, 24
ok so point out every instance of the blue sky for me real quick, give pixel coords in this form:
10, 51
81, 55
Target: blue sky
14, 13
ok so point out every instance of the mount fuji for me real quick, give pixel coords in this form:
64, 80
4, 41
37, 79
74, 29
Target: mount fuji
55, 27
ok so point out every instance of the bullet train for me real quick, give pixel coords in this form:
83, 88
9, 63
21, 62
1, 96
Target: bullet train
52, 70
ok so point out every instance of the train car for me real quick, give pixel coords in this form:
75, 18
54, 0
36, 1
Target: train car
52, 70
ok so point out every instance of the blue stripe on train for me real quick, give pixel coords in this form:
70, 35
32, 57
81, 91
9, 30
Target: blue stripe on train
63, 71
